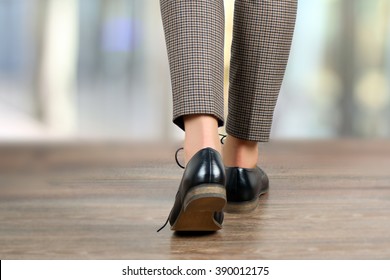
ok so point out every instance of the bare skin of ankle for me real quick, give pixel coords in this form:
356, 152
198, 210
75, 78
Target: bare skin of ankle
240, 153
201, 131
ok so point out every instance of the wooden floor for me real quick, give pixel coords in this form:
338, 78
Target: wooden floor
328, 200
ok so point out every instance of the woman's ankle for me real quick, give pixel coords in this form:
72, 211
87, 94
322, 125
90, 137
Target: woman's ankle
201, 131
240, 153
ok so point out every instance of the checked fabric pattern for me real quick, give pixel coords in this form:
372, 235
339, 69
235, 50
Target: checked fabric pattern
262, 35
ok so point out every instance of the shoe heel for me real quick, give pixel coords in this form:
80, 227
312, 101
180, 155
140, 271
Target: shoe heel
208, 197
199, 207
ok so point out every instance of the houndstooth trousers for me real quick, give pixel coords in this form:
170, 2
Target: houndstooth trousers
262, 35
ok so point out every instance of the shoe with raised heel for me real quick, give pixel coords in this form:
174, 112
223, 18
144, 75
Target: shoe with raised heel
244, 186
201, 196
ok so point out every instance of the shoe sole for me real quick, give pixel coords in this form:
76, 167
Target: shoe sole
200, 204
243, 207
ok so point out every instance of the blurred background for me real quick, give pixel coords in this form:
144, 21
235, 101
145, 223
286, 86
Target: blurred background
98, 69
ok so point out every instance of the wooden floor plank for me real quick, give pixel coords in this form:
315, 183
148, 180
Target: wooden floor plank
327, 200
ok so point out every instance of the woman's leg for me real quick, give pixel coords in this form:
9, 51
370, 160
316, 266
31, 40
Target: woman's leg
201, 131
262, 35
194, 33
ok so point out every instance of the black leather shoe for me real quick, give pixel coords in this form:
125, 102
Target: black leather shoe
243, 188
201, 196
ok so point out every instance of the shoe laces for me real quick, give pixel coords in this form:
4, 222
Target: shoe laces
165, 224
223, 136
177, 161
181, 166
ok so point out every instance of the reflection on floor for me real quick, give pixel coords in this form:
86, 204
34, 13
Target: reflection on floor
328, 200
